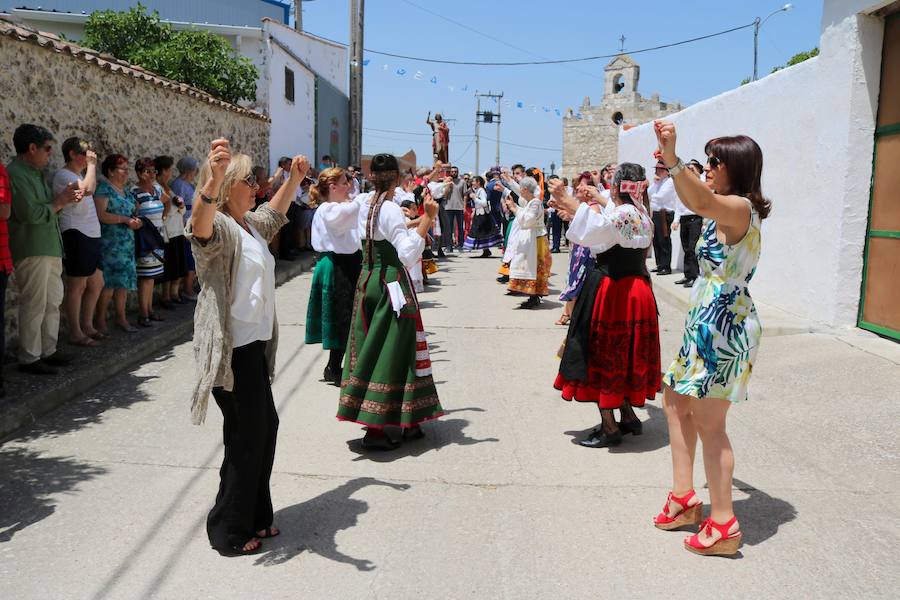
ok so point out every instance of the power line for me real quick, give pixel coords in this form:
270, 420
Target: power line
493, 38
457, 135
549, 62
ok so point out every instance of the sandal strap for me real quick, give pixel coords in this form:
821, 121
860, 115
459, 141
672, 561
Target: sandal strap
683, 501
708, 525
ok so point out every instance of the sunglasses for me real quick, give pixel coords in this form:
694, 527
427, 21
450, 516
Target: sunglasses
250, 180
148, 171
713, 162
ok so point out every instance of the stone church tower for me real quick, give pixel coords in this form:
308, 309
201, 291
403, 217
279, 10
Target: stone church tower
591, 141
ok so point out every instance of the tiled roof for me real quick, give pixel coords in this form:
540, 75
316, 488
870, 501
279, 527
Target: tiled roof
111, 63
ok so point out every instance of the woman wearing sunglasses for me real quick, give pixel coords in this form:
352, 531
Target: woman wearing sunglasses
236, 335
721, 335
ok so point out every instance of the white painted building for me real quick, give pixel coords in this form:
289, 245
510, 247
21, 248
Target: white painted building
303, 83
831, 247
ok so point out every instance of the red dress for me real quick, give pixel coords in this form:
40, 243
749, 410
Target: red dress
612, 348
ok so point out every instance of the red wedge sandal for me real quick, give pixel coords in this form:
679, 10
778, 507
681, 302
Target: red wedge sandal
690, 514
726, 545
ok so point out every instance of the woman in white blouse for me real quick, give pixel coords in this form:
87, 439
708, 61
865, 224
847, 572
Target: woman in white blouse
611, 356
236, 335
387, 379
335, 238
530, 261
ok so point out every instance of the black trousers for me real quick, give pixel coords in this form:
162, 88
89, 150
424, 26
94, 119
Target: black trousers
445, 228
662, 244
555, 231
691, 227
455, 222
244, 503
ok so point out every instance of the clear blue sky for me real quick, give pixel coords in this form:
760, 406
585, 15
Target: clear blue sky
524, 30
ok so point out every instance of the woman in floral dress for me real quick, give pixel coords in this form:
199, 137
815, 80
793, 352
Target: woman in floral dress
721, 334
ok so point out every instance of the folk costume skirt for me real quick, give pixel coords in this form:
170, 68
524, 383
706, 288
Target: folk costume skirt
387, 369
540, 285
330, 308
483, 233
611, 355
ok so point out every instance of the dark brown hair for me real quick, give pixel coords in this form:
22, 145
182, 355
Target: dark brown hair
743, 160
111, 162
144, 164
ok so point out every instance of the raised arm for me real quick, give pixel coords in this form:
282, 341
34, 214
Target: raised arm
731, 213
205, 211
89, 183
282, 199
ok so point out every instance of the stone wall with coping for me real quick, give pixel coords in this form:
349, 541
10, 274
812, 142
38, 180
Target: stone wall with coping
117, 112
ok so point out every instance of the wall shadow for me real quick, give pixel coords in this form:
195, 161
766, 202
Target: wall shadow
28, 482
656, 433
312, 526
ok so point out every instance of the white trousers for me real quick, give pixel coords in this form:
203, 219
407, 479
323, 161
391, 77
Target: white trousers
39, 280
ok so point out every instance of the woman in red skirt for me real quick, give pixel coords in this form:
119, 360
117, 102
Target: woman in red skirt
611, 356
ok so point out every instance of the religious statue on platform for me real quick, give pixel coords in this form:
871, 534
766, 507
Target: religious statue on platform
440, 140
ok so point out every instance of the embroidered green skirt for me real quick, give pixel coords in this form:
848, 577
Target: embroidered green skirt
387, 370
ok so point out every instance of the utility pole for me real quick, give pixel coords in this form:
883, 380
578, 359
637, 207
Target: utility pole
357, 21
487, 116
298, 15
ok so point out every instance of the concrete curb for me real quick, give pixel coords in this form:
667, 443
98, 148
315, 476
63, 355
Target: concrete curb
24, 411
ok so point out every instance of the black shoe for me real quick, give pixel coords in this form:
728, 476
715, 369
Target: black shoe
144, 322
689, 283
503, 279
327, 375
486, 253
38, 367
654, 269
633, 427
532, 303
600, 439
441, 254
57, 359
554, 251
682, 281
382, 442
664, 272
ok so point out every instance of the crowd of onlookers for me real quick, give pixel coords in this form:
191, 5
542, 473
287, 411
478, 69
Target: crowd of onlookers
83, 237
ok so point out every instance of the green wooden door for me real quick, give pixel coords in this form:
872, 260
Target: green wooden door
879, 307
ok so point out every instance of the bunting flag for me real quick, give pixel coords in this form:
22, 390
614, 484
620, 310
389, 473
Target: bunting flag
418, 75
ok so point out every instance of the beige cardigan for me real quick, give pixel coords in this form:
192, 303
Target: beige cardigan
217, 263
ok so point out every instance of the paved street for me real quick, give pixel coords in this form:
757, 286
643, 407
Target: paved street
107, 497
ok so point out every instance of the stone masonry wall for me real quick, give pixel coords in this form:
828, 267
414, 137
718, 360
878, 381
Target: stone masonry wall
116, 112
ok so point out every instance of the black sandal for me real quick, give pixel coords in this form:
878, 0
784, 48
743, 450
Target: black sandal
240, 550
267, 533
382, 442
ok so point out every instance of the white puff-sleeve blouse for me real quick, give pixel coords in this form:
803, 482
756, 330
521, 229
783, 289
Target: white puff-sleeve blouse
391, 226
624, 225
334, 228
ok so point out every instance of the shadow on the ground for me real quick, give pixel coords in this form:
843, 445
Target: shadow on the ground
431, 304
313, 526
121, 391
438, 433
760, 514
655, 436
28, 483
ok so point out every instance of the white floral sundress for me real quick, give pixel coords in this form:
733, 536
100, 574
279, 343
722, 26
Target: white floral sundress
722, 330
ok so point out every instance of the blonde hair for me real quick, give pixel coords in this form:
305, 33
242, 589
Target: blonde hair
319, 192
239, 168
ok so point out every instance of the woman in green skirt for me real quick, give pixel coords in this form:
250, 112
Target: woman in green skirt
335, 238
387, 370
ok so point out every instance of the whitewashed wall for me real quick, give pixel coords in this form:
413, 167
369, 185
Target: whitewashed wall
815, 123
329, 60
293, 123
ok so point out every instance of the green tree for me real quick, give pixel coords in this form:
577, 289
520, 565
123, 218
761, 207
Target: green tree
794, 60
195, 57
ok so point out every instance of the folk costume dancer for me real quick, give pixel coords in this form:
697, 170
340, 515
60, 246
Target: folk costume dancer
581, 258
483, 235
387, 377
530, 260
611, 356
335, 238
440, 138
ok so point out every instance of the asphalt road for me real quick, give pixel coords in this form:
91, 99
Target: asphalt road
107, 496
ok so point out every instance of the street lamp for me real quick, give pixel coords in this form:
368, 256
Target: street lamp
756, 25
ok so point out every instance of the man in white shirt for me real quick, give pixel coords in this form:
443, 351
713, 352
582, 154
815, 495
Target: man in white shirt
690, 227
662, 204
439, 191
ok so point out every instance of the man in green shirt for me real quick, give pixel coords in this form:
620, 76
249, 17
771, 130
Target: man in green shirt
36, 247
